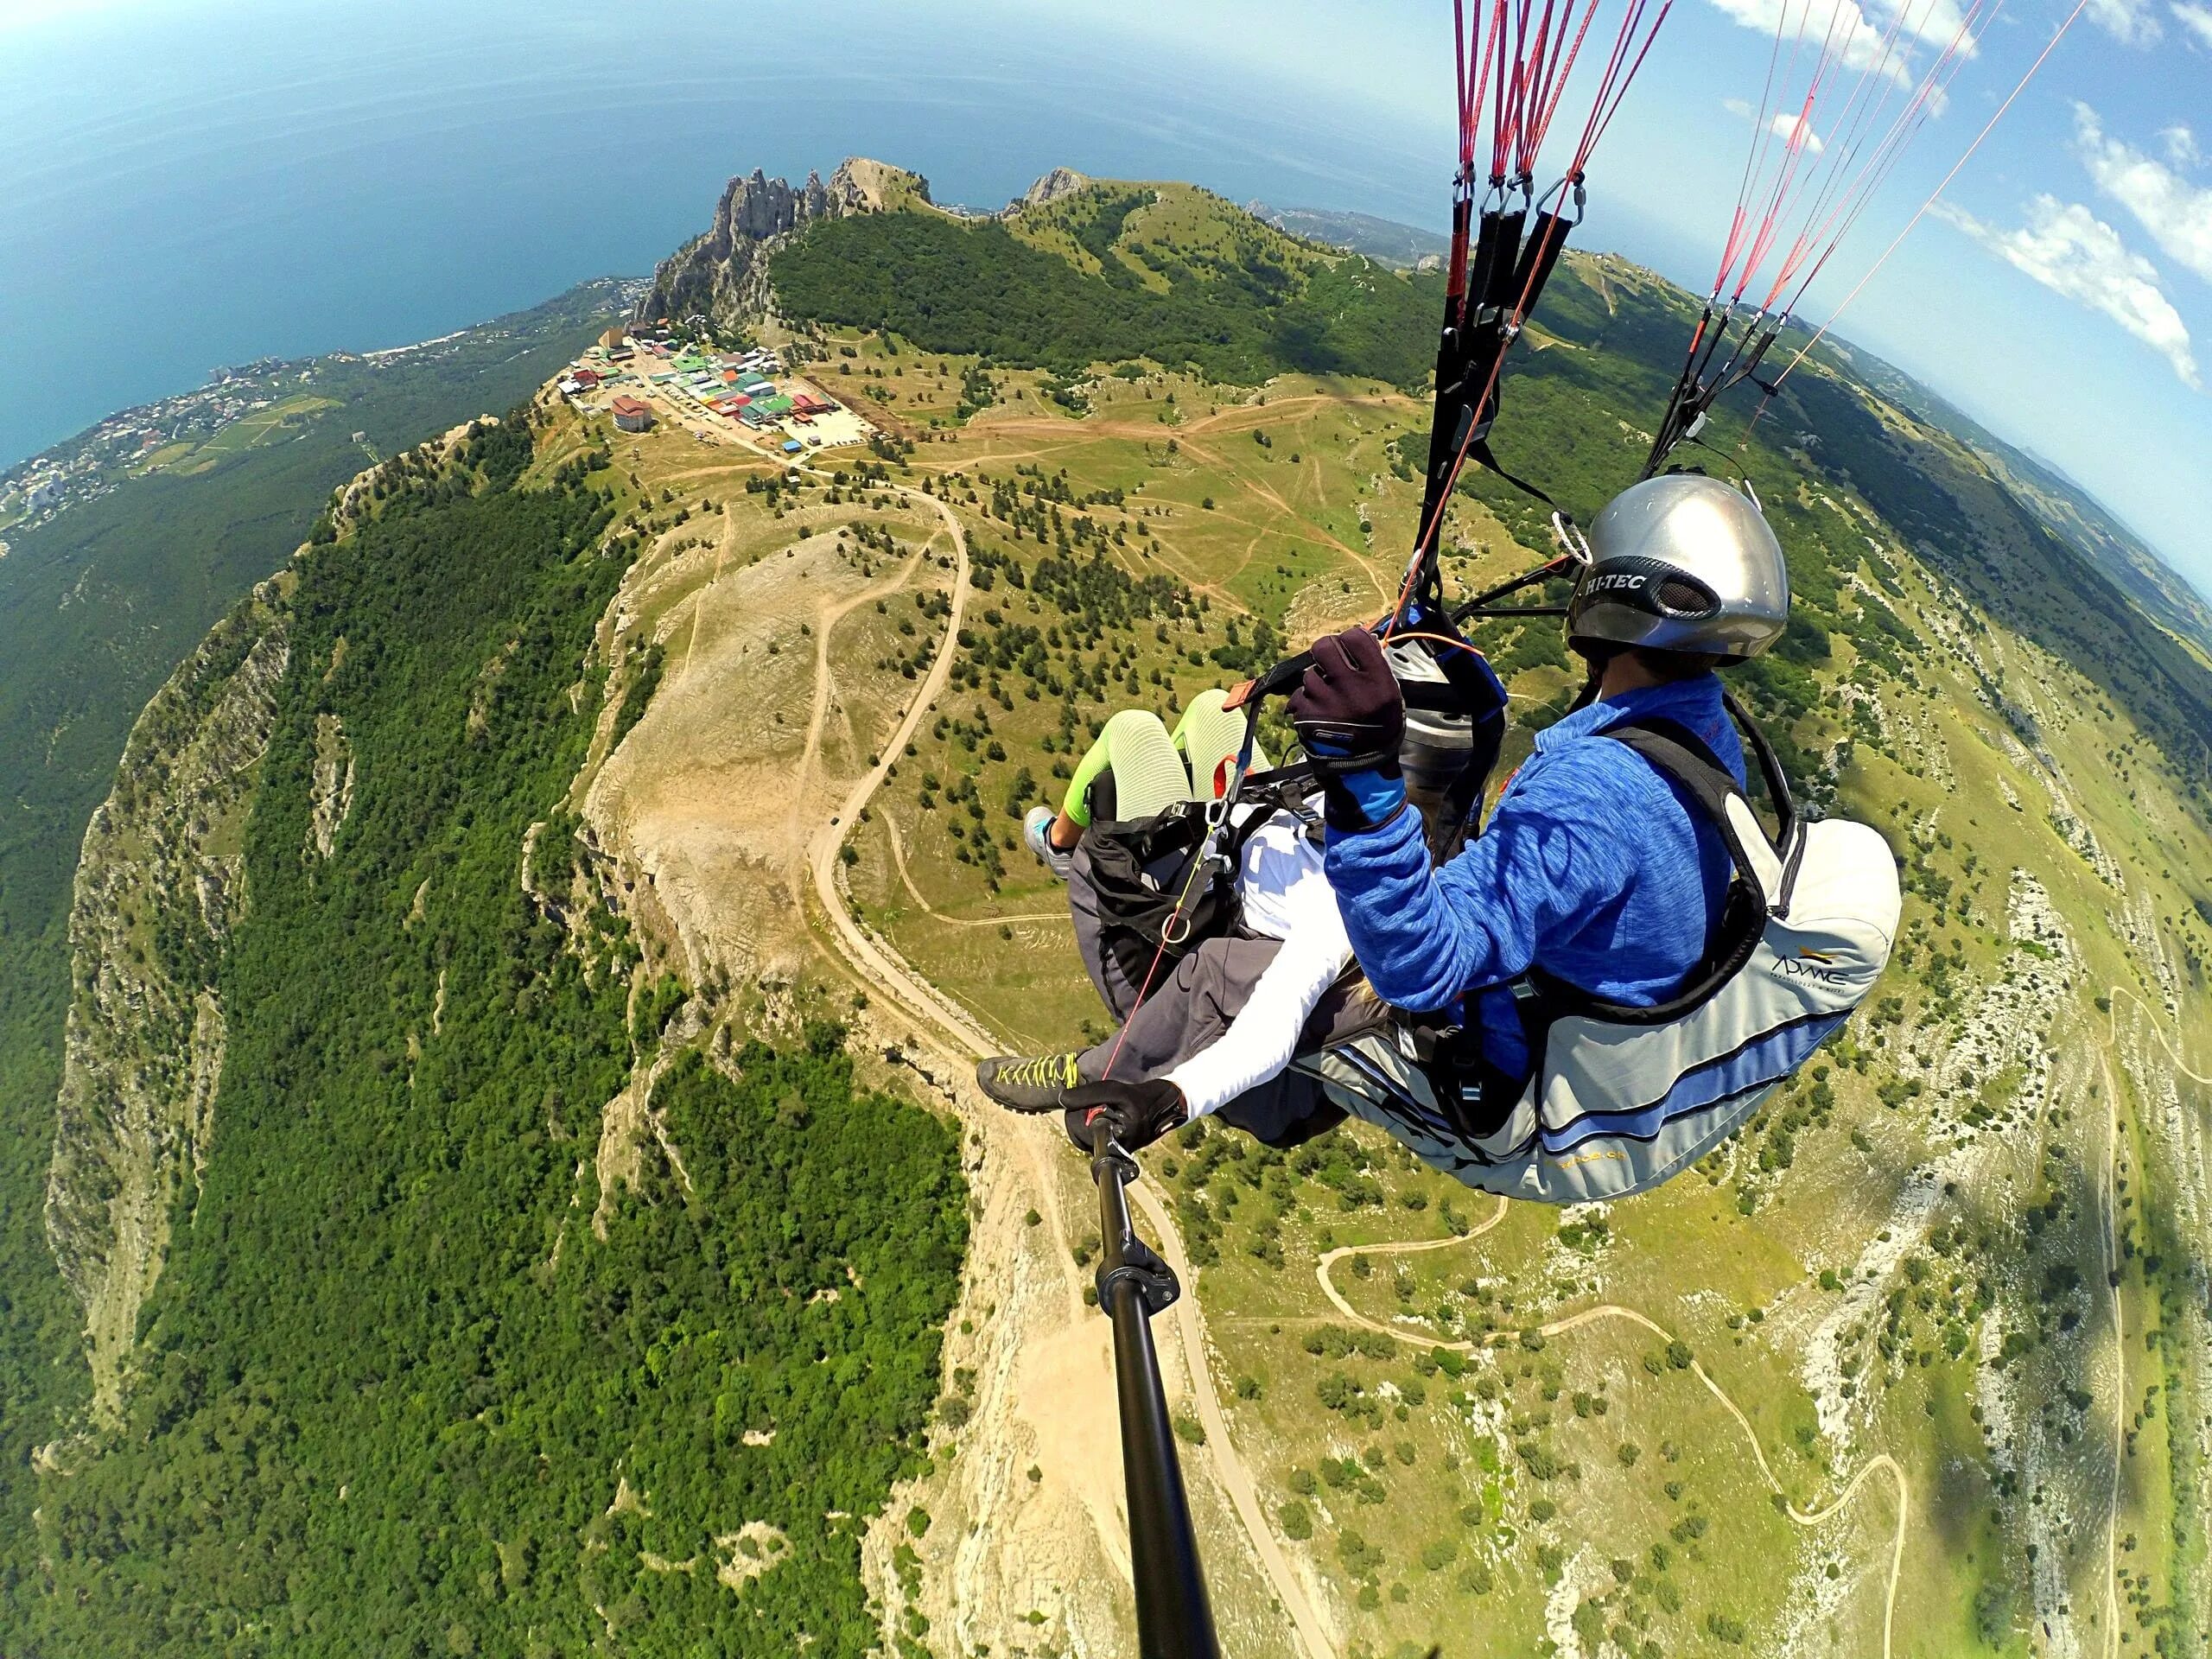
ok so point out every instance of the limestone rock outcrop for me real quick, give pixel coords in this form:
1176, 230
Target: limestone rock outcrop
723, 275
159, 887
1060, 182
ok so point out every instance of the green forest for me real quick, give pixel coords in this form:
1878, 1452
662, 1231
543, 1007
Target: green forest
394, 1387
1240, 317
96, 608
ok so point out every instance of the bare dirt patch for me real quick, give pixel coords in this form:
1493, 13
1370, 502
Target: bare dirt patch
710, 798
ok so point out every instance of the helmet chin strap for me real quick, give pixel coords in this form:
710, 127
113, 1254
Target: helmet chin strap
1588, 694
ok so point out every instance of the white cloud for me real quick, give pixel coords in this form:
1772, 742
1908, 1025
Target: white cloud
1868, 36
1861, 41
2074, 253
1939, 22
2181, 146
2132, 23
2196, 19
1785, 128
2177, 215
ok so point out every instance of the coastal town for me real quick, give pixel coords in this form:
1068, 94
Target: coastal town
270, 400
93, 463
644, 377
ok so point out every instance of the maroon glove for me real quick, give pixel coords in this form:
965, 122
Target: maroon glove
1350, 720
1138, 1113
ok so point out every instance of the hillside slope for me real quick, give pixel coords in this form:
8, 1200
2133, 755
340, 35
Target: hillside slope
110, 580
546, 1269
2069, 511
448, 1358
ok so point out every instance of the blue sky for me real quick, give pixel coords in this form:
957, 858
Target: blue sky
212, 179
2062, 291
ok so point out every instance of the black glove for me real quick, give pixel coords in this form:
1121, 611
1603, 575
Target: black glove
1350, 719
1138, 1113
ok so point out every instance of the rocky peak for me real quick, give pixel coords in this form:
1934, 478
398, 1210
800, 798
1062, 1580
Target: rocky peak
872, 186
1059, 182
723, 275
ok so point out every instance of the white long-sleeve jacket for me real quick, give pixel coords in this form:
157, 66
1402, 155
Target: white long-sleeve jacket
1286, 896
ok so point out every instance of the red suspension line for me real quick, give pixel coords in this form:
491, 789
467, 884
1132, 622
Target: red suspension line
1513, 70
1492, 53
1936, 194
1759, 124
1519, 93
1850, 134
1792, 155
1844, 215
1559, 86
1762, 139
1518, 316
1550, 84
1613, 85
1789, 174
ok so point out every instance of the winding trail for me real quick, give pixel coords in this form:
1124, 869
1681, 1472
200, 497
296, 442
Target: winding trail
878, 964
1882, 1463
2164, 1041
899, 859
2112, 1276
826, 618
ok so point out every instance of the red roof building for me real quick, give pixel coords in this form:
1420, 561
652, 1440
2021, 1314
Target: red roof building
631, 416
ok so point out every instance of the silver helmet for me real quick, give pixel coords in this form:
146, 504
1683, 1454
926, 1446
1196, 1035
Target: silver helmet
1682, 562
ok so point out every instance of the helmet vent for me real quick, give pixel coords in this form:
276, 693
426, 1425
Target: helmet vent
1679, 596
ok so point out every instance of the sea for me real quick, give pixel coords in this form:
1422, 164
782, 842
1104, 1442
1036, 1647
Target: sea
186, 184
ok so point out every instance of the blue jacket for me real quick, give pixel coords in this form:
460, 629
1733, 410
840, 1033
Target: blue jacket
1592, 866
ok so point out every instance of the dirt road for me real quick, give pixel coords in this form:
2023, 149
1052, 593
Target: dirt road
2109, 1198
880, 966
1882, 1463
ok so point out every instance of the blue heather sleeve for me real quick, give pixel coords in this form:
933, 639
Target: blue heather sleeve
1426, 936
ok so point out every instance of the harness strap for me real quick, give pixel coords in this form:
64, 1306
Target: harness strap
1480, 451
1765, 870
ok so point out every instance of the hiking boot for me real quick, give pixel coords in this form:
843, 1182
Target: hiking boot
1036, 1084
1037, 832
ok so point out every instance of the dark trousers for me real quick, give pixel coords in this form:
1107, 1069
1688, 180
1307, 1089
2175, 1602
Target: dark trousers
1191, 1006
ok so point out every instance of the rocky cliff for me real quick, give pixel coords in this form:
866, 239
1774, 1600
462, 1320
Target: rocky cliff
159, 888
1059, 182
723, 275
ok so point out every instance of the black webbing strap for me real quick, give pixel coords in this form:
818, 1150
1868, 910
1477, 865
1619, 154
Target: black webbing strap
1540, 256
1480, 451
1678, 754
